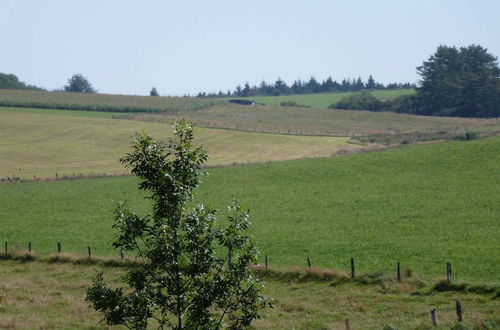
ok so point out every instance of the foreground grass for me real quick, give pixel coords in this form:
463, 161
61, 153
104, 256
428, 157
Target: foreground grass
322, 100
66, 142
51, 295
312, 121
422, 205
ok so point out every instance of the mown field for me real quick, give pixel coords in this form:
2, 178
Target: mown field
101, 102
41, 143
311, 121
422, 205
322, 100
51, 295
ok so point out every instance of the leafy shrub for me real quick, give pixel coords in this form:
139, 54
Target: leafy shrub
293, 104
468, 136
358, 101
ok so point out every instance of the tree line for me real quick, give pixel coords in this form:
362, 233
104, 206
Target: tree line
311, 86
11, 81
77, 83
455, 82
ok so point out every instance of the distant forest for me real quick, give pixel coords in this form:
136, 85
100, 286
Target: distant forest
279, 87
11, 81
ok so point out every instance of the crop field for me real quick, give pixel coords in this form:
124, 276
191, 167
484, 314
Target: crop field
421, 205
51, 295
101, 102
43, 142
322, 100
310, 121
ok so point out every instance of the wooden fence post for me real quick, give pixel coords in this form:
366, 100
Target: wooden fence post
347, 325
353, 268
459, 311
308, 262
266, 262
5, 247
89, 252
448, 271
399, 272
29, 247
433, 317
58, 247
122, 254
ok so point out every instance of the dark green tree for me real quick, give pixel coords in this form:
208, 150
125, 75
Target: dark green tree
154, 92
79, 84
246, 90
191, 274
11, 81
312, 86
459, 82
370, 84
280, 87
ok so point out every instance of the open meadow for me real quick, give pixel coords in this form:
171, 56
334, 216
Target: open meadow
421, 205
49, 295
40, 143
312, 121
322, 100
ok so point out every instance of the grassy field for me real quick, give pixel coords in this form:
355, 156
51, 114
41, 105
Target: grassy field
321, 100
101, 102
310, 121
421, 205
51, 295
45, 142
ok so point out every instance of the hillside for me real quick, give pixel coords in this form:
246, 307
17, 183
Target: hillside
321, 100
312, 121
422, 205
41, 143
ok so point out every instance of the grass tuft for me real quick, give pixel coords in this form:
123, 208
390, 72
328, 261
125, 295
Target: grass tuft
297, 274
19, 256
443, 285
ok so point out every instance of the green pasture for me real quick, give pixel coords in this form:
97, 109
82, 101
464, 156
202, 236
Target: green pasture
321, 100
422, 205
44, 142
312, 121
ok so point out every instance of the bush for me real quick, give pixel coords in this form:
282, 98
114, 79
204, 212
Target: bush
293, 104
468, 136
358, 101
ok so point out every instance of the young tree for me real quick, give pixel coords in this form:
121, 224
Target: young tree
192, 274
154, 92
79, 84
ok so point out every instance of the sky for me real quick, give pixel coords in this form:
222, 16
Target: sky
184, 47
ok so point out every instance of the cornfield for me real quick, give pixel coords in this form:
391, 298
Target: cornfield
101, 102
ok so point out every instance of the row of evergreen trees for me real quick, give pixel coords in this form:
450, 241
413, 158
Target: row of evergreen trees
279, 87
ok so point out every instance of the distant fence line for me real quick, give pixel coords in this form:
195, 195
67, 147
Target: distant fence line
244, 128
17, 178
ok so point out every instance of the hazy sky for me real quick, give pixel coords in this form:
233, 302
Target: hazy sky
127, 47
